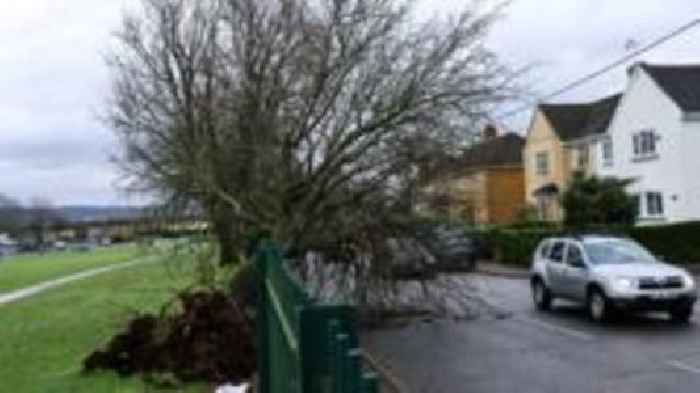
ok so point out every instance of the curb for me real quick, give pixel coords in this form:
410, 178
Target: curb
394, 383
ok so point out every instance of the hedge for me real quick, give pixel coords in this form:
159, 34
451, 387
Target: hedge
678, 243
515, 247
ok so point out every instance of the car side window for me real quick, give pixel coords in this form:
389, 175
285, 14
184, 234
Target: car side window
574, 255
557, 252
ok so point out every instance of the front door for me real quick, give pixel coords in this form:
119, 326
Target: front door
555, 267
576, 273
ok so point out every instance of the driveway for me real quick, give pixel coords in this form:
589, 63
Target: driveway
534, 352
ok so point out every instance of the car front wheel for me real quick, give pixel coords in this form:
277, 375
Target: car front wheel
541, 296
599, 308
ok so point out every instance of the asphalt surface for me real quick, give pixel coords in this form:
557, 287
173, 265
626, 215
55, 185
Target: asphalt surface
532, 351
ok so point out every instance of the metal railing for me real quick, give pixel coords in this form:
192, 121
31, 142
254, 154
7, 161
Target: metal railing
304, 346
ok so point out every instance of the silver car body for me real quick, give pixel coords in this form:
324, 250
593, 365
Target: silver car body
570, 280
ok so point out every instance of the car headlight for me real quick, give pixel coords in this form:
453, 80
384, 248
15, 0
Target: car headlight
624, 284
688, 281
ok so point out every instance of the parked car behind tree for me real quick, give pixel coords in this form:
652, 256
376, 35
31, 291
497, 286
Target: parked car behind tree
452, 248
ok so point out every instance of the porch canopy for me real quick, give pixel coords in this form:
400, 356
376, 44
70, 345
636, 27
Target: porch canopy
549, 189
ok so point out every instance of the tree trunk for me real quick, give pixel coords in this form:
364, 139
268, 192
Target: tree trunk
227, 252
225, 235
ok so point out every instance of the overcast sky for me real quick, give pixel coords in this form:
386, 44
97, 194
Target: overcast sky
53, 80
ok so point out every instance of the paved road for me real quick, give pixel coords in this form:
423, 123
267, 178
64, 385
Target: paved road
20, 294
533, 352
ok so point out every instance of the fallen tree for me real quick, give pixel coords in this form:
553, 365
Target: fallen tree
308, 119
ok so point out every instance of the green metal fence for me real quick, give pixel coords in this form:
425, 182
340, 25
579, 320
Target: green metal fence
305, 347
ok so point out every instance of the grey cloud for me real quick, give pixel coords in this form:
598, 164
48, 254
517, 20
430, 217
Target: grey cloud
52, 79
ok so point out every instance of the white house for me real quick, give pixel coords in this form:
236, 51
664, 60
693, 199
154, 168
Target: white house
655, 139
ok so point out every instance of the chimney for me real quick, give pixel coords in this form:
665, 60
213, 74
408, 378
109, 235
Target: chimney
490, 132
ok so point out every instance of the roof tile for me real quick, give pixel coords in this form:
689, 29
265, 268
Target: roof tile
680, 82
573, 121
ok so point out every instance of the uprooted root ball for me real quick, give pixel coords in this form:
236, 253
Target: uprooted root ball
209, 340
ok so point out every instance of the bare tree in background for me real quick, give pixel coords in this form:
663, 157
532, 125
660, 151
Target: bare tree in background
309, 119
11, 215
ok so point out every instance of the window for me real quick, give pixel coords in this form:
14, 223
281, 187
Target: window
616, 252
582, 157
574, 255
542, 163
655, 204
557, 252
644, 144
607, 153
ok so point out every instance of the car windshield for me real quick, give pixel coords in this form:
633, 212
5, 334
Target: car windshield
617, 251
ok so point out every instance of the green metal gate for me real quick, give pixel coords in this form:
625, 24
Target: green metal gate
305, 347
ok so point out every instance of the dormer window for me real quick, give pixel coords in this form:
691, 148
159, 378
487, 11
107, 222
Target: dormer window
644, 145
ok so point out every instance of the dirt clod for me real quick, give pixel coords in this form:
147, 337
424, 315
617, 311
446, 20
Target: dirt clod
208, 340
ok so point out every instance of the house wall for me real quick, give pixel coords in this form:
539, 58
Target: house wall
542, 138
471, 193
505, 188
494, 195
690, 145
643, 106
574, 150
466, 197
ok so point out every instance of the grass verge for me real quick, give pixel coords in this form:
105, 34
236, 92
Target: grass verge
45, 338
26, 270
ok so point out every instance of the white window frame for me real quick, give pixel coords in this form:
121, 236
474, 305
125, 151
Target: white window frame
658, 209
582, 157
540, 158
607, 154
644, 144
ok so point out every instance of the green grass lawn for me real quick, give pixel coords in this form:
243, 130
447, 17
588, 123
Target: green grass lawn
45, 338
25, 270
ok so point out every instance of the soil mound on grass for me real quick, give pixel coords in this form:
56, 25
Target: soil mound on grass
208, 340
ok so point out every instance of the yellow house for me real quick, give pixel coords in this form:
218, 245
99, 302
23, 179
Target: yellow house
483, 186
563, 139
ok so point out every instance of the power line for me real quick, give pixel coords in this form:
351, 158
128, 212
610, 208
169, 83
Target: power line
608, 67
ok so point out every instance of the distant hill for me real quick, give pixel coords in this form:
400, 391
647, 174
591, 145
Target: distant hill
101, 213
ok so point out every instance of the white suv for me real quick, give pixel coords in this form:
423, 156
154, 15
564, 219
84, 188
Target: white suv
609, 274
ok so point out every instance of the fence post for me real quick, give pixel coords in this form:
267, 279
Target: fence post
332, 342
323, 338
370, 383
354, 364
261, 261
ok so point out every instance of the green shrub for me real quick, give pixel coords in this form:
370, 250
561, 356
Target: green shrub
678, 243
536, 225
594, 201
515, 247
